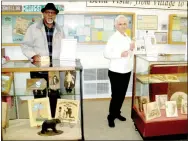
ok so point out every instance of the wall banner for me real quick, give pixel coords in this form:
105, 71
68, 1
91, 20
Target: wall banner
37, 8
143, 4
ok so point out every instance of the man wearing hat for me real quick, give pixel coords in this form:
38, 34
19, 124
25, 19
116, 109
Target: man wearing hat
43, 38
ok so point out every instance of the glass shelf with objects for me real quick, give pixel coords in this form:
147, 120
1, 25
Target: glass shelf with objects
159, 93
24, 109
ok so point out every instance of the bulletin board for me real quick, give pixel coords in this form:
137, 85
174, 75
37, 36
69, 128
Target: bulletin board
86, 27
177, 29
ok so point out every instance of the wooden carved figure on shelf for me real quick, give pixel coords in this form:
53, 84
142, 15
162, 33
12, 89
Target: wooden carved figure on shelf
50, 124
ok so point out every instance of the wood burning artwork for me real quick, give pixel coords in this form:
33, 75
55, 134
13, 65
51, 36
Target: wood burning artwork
54, 80
184, 106
4, 114
67, 110
151, 110
6, 82
178, 96
39, 111
161, 99
171, 109
36, 84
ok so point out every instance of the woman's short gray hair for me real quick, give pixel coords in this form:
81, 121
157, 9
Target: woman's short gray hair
121, 16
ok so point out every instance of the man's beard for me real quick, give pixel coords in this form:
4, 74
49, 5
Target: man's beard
49, 21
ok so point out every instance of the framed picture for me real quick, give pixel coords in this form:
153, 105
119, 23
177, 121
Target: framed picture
39, 111
69, 81
171, 109
147, 22
161, 99
67, 110
178, 97
54, 80
151, 110
36, 84
161, 37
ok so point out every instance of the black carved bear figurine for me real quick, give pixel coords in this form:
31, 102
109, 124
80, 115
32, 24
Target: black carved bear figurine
50, 124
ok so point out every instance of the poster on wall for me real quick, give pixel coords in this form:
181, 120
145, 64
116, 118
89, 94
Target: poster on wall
20, 25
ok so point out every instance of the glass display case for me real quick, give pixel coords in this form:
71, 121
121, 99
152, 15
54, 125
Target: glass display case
160, 95
19, 124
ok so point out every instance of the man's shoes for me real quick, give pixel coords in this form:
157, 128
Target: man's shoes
111, 122
121, 118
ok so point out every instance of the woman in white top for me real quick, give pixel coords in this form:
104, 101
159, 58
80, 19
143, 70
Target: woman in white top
119, 50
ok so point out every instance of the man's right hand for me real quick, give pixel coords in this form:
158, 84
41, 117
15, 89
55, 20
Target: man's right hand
124, 54
36, 58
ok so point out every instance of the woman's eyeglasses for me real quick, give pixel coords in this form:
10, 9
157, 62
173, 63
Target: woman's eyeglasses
122, 24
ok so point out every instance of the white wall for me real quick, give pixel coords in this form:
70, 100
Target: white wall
92, 55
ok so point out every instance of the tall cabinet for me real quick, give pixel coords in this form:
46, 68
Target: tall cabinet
157, 76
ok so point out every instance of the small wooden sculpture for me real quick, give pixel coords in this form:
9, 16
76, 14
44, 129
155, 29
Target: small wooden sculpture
50, 124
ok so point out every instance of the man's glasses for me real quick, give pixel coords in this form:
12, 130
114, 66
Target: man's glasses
50, 12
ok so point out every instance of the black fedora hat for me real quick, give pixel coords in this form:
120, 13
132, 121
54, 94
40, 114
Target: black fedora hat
50, 6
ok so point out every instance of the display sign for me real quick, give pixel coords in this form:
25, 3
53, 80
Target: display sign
143, 4
37, 8
11, 8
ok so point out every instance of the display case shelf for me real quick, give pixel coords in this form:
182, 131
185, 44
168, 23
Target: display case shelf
162, 78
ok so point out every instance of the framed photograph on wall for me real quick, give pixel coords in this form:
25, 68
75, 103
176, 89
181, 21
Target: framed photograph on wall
161, 37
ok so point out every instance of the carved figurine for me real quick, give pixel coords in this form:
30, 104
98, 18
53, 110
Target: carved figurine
50, 124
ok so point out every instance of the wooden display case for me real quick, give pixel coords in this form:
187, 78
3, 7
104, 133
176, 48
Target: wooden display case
159, 75
19, 125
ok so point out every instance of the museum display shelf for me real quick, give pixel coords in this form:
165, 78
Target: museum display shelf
156, 76
18, 117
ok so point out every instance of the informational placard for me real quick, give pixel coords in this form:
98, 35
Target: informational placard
147, 22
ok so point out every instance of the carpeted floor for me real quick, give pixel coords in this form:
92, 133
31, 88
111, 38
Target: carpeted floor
96, 125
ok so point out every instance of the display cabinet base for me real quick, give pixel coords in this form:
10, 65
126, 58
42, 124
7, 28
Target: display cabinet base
159, 128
